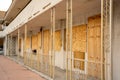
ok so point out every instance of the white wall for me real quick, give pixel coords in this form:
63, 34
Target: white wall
2, 34
116, 41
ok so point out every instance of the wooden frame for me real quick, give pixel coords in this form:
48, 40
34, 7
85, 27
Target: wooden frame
69, 37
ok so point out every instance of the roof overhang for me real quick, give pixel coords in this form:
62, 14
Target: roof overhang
15, 8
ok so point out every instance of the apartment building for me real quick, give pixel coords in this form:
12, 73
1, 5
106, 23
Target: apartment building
64, 39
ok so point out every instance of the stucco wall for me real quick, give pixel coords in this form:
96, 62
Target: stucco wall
116, 40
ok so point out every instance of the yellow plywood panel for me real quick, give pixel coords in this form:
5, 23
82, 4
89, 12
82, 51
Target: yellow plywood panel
79, 38
46, 40
94, 38
27, 43
58, 41
97, 20
80, 62
94, 45
39, 40
34, 42
91, 21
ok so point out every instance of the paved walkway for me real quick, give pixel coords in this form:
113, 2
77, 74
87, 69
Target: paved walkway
10, 70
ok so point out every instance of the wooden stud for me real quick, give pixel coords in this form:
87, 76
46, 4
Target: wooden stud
18, 43
52, 37
25, 56
11, 46
69, 37
102, 25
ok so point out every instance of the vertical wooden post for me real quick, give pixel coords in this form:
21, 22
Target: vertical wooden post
25, 44
41, 52
102, 11
69, 37
31, 55
106, 22
7, 45
11, 46
5, 42
18, 43
62, 22
52, 36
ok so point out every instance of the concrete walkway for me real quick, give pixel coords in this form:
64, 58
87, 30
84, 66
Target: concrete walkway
10, 70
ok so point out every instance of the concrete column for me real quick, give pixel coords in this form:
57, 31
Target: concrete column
116, 41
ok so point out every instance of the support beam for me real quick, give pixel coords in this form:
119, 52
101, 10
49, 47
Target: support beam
62, 24
52, 37
8, 45
69, 39
41, 50
106, 22
18, 44
25, 37
11, 45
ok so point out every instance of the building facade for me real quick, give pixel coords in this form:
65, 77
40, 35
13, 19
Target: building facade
65, 39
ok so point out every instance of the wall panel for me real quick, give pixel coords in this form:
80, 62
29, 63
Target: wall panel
46, 41
58, 41
94, 46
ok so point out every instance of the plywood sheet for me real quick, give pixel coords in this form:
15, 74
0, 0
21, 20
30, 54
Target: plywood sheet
34, 42
27, 45
94, 38
94, 46
39, 41
79, 38
79, 64
46, 40
58, 41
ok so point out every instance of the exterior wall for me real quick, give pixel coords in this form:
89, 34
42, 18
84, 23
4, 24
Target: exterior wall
2, 34
116, 41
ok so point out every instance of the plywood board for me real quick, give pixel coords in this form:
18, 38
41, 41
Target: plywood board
79, 42
58, 41
39, 41
79, 38
27, 45
94, 38
94, 46
79, 64
46, 41
34, 42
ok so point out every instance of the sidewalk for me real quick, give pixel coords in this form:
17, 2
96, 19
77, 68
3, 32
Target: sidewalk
10, 70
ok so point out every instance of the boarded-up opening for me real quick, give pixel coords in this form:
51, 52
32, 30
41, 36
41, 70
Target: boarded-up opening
58, 41
94, 46
79, 60
27, 45
46, 40
79, 45
34, 42
39, 41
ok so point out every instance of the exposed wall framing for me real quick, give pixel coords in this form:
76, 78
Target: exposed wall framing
106, 14
52, 44
69, 39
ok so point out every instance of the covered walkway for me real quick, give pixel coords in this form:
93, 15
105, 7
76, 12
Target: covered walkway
9, 70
